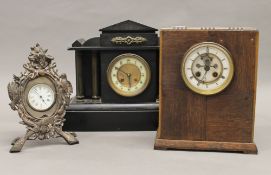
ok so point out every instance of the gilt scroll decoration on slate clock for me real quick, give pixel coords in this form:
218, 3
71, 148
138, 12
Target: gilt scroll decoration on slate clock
128, 40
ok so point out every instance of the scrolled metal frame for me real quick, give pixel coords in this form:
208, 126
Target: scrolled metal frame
40, 65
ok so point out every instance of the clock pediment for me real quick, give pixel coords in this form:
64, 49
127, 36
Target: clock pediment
129, 27
124, 34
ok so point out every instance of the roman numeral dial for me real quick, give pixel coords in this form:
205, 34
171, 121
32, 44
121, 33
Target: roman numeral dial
41, 97
207, 68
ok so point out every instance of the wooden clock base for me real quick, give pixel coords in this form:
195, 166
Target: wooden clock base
164, 144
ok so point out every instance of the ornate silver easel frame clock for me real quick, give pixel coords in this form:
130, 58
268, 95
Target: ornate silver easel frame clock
41, 96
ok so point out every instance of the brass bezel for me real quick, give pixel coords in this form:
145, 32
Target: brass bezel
139, 58
220, 88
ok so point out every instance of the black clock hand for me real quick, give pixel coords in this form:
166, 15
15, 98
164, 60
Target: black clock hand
129, 79
198, 65
121, 71
43, 101
204, 76
40, 97
36, 92
214, 66
200, 56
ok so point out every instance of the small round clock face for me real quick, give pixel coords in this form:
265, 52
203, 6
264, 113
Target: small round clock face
207, 68
41, 97
128, 75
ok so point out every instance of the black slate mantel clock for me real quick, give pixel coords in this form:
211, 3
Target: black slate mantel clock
116, 80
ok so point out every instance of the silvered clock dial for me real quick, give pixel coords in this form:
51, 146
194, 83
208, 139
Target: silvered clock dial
41, 97
128, 74
207, 68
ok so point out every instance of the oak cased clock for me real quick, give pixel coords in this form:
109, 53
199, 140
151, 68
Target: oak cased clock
116, 80
207, 89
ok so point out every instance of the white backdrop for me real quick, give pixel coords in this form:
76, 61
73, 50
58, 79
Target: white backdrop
55, 24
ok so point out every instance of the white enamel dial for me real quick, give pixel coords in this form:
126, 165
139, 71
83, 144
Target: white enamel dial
41, 97
207, 68
128, 75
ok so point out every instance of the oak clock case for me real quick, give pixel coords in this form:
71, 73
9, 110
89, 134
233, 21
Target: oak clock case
208, 89
116, 80
41, 97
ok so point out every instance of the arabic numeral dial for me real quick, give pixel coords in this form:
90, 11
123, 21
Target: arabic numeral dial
128, 75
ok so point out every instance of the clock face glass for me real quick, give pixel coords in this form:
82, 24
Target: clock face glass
41, 97
207, 68
128, 75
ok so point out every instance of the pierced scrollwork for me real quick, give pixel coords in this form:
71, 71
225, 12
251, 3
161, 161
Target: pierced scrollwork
45, 126
128, 40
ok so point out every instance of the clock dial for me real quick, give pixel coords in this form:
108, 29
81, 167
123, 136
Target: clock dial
128, 75
207, 68
41, 97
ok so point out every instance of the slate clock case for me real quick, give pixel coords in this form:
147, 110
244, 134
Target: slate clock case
116, 80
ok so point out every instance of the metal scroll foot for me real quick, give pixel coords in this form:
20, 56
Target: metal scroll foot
15, 140
18, 143
70, 138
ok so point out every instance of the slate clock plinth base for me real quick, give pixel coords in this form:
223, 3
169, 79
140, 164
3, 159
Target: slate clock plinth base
111, 117
164, 144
